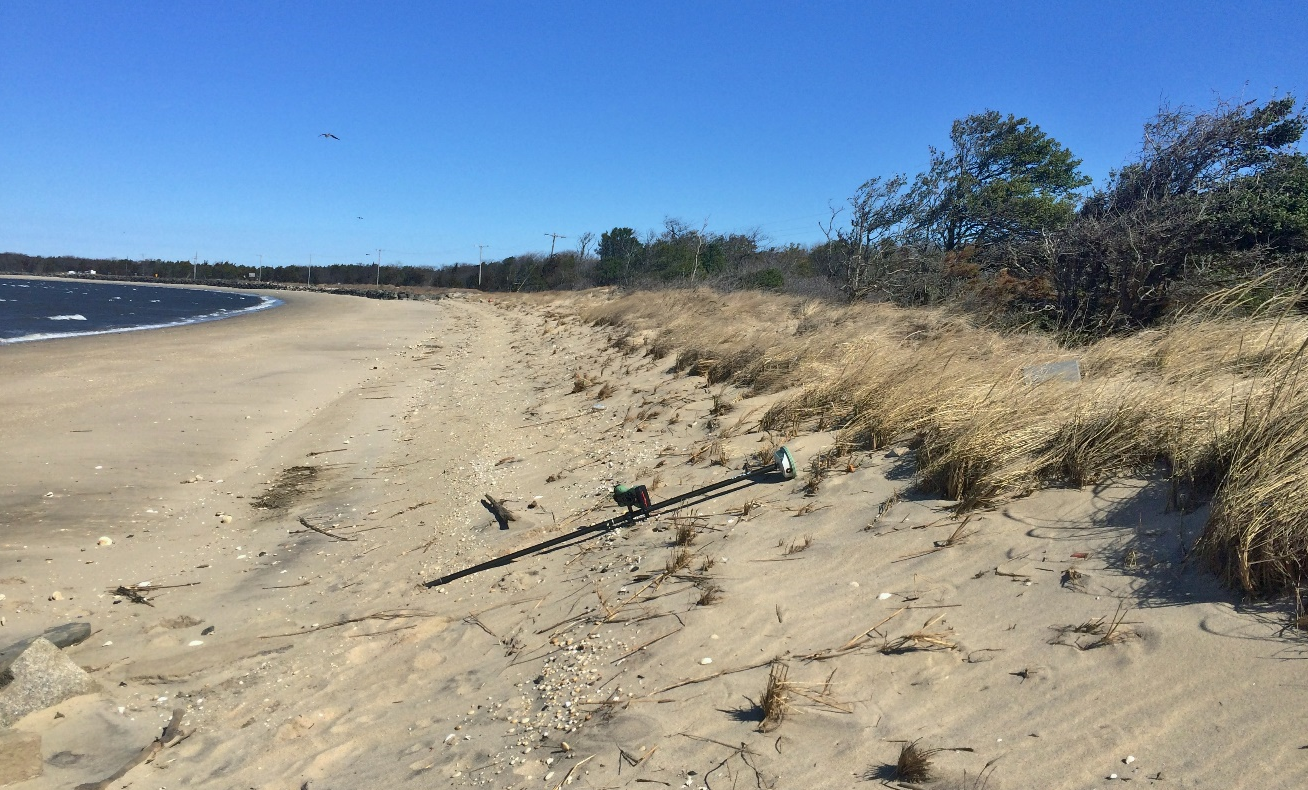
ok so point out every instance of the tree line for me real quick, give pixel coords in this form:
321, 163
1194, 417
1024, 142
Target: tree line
1002, 221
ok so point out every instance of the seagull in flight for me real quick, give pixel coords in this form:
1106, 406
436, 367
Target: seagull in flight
329, 134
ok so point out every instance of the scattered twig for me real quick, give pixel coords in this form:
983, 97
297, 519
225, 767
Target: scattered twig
693, 681
568, 775
394, 614
322, 531
641, 647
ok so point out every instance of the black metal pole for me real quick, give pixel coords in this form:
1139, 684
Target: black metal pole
604, 526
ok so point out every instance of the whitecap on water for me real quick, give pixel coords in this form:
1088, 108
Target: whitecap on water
73, 317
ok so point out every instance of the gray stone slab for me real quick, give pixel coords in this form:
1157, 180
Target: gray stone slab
38, 678
1065, 370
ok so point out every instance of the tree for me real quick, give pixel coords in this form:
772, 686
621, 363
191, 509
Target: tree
1213, 197
583, 244
618, 250
860, 258
1002, 181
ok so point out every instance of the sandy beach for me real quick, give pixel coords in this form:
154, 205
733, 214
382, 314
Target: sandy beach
279, 486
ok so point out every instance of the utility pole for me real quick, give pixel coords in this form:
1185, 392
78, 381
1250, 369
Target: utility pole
379, 252
309, 281
480, 247
553, 238
259, 276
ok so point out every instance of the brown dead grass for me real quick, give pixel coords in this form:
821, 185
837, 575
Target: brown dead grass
1216, 397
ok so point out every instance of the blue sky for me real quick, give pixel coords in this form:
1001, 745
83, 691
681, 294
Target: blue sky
182, 128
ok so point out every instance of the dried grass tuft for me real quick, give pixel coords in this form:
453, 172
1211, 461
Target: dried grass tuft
929, 637
776, 702
581, 382
1109, 631
797, 545
678, 560
711, 451
686, 534
709, 594
914, 763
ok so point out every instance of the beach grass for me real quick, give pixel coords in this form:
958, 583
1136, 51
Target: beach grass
1215, 400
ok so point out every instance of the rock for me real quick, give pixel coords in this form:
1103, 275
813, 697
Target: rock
20, 757
67, 635
38, 678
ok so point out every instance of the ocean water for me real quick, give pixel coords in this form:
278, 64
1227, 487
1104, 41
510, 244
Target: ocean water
44, 309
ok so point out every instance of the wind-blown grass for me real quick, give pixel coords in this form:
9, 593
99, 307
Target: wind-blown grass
1217, 399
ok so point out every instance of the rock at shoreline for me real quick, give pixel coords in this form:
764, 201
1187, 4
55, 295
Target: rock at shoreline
20, 757
39, 677
60, 636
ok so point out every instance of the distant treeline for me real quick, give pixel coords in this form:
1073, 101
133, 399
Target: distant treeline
1002, 223
332, 274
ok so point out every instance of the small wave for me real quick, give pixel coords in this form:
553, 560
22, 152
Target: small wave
73, 317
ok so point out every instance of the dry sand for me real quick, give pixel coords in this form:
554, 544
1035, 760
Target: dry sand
330, 665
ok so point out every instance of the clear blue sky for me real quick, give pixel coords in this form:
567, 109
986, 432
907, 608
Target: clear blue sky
175, 128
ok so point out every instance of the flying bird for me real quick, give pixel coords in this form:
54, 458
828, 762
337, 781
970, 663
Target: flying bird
329, 134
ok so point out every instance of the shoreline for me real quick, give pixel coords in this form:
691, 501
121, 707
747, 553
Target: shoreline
266, 302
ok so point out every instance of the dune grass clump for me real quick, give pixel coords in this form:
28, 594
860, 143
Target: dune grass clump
677, 561
914, 763
686, 534
1256, 538
1216, 399
776, 701
709, 594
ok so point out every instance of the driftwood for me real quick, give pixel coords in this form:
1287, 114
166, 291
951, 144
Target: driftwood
131, 594
170, 734
497, 508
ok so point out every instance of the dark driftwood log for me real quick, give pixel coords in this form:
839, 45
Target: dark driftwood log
502, 514
147, 754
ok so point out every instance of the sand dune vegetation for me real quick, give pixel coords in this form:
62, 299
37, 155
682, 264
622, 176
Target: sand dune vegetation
1213, 400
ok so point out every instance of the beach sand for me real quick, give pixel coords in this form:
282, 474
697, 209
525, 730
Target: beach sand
617, 662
